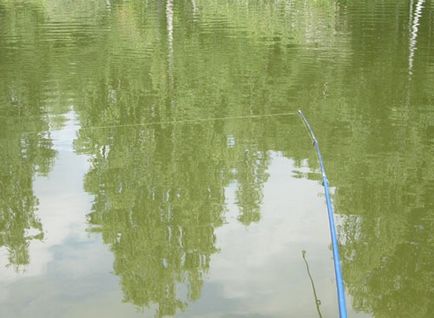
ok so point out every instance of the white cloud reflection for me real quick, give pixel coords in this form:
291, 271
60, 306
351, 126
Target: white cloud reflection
259, 271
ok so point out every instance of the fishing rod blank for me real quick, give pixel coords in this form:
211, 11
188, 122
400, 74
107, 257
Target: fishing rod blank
336, 259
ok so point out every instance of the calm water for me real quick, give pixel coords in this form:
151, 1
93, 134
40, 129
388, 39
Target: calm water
104, 214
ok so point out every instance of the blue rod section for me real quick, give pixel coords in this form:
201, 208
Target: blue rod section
336, 259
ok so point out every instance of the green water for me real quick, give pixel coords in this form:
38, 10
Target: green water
104, 214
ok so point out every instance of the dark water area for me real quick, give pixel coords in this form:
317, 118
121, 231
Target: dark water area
152, 163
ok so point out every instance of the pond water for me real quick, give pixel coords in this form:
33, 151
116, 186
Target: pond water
123, 192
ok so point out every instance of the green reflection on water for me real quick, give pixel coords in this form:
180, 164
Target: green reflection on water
22, 155
363, 72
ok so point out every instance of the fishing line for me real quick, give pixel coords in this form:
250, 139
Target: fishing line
172, 122
317, 301
335, 248
191, 121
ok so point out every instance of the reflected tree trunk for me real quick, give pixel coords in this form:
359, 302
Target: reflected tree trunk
414, 28
194, 5
169, 26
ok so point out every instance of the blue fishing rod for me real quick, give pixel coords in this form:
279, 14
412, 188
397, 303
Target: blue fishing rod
336, 259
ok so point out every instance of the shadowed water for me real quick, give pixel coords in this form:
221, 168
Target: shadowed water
125, 193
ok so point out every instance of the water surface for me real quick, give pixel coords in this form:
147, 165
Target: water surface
122, 196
